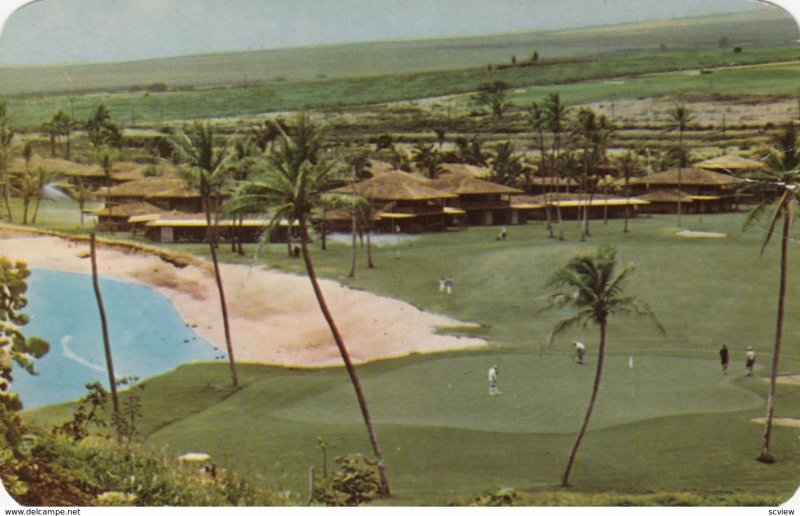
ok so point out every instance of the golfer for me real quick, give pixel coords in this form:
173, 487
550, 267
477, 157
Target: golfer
580, 350
751, 361
493, 381
724, 358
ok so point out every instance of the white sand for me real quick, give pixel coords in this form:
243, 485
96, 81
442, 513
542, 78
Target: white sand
699, 234
274, 317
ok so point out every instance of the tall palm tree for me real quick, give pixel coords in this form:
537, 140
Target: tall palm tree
781, 182
295, 179
555, 113
208, 172
629, 166
679, 118
538, 121
112, 379
593, 288
6, 143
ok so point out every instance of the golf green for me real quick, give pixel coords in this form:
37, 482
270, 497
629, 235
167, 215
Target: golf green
539, 394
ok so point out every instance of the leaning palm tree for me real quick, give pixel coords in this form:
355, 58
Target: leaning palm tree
781, 182
208, 172
679, 118
293, 182
592, 287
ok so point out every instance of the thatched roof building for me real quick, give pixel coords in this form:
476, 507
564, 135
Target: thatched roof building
168, 193
406, 201
484, 202
711, 191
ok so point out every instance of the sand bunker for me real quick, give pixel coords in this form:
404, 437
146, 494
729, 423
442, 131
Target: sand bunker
699, 234
789, 379
274, 316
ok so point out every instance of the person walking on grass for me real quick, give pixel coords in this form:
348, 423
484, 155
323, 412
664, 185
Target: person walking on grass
448, 285
751, 361
442, 285
580, 350
724, 358
493, 381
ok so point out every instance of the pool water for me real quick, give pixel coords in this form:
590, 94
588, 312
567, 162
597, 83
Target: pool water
147, 336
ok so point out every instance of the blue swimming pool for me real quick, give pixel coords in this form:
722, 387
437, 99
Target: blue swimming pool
147, 335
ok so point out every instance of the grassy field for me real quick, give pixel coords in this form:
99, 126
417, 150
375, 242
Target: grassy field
670, 423
144, 108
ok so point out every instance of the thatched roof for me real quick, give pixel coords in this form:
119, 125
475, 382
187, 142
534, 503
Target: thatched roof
666, 196
466, 170
131, 171
396, 186
467, 185
126, 210
730, 164
689, 176
150, 187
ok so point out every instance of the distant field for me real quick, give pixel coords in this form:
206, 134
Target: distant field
770, 27
154, 108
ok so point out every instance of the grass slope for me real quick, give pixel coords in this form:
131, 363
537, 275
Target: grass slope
672, 423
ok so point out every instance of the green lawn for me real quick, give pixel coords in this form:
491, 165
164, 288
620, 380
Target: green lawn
672, 422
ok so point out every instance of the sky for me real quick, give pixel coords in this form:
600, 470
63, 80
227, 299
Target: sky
71, 31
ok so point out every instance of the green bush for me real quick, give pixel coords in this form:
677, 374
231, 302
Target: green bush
356, 483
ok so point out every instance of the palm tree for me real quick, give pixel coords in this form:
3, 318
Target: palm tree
629, 166
112, 379
428, 159
538, 121
296, 178
680, 117
6, 142
783, 182
507, 166
208, 172
63, 126
592, 286
106, 157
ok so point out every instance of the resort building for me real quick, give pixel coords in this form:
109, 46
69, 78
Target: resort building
710, 192
405, 202
484, 203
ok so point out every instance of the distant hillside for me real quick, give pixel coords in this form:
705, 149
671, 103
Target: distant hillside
762, 28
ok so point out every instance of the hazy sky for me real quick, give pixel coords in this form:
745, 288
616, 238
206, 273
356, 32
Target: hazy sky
51, 31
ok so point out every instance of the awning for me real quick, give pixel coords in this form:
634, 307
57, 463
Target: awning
397, 215
448, 210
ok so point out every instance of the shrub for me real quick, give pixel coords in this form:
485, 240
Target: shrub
356, 483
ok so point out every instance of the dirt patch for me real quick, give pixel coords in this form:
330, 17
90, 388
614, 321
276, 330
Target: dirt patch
789, 379
167, 277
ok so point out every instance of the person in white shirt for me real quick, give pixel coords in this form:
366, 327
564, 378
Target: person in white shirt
751, 361
493, 381
580, 350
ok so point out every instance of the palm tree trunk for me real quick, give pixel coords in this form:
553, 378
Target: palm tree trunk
627, 203
362, 402
595, 391
352, 273
680, 175
370, 263
765, 456
222, 302
112, 379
